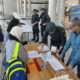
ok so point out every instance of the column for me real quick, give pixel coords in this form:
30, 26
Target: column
25, 8
52, 10
61, 12
18, 6
29, 7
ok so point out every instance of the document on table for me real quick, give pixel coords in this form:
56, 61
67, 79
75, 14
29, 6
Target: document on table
45, 48
33, 54
55, 64
53, 48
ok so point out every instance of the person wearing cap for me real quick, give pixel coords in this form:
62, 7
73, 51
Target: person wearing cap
14, 37
44, 20
58, 36
74, 43
35, 25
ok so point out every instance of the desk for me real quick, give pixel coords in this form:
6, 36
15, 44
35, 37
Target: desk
47, 73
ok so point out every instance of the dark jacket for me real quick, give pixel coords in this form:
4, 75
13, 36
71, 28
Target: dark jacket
44, 18
57, 39
35, 18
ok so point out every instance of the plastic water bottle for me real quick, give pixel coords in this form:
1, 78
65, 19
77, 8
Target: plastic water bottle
45, 63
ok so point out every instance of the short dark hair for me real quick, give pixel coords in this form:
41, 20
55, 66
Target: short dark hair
75, 21
12, 23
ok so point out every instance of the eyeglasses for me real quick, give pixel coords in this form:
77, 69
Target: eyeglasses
72, 26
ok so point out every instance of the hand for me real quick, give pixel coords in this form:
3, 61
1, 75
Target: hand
60, 57
39, 51
32, 24
40, 14
57, 51
44, 24
70, 67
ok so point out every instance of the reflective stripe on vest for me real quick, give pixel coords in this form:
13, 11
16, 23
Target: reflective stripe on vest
16, 70
12, 66
15, 55
75, 12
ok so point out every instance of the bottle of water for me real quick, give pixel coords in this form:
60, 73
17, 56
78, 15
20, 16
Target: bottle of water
45, 63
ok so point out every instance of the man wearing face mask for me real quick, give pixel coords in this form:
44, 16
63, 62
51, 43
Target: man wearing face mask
74, 43
58, 36
45, 19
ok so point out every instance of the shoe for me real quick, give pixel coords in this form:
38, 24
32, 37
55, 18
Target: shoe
36, 40
32, 39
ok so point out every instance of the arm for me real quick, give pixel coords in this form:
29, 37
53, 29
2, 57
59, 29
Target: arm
48, 19
67, 46
44, 40
36, 20
23, 54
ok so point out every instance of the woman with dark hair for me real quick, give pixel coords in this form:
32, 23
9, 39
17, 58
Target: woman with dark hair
12, 23
1, 37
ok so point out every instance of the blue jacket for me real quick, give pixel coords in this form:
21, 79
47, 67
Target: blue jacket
74, 43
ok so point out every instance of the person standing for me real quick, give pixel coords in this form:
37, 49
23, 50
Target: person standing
45, 19
35, 25
74, 43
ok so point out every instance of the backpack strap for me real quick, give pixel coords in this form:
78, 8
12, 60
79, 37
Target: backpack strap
15, 54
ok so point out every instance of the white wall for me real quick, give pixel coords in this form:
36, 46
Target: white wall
10, 6
0, 5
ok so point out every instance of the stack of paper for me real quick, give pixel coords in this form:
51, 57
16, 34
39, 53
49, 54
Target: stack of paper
55, 64
33, 54
45, 48
53, 48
